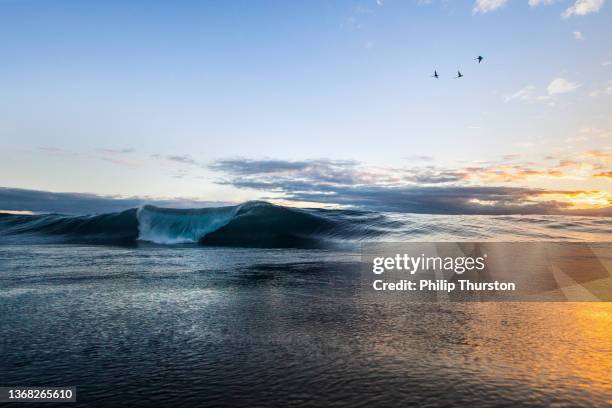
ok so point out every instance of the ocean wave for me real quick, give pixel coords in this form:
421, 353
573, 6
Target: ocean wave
252, 224
261, 224
121, 227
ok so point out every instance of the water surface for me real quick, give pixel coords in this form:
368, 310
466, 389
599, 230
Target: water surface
187, 325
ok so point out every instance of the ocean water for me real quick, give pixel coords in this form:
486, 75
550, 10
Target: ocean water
264, 306
260, 224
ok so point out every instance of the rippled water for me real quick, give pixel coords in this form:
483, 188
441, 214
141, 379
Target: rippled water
181, 326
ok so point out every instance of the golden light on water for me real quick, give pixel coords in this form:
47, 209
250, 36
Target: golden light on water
557, 339
533, 345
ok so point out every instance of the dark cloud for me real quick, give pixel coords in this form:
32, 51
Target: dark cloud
419, 190
426, 189
245, 166
272, 173
248, 166
431, 200
426, 176
16, 199
323, 170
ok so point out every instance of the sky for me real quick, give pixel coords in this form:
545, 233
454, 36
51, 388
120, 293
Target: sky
318, 103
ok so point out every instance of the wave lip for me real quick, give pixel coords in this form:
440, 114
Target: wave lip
261, 224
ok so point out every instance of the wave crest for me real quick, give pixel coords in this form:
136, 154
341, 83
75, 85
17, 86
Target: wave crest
261, 224
252, 224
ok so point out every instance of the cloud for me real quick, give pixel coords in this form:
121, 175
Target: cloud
420, 158
427, 189
318, 167
568, 163
321, 170
116, 156
345, 172
557, 86
511, 173
536, 3
578, 36
16, 199
603, 91
606, 63
560, 86
380, 2
324, 171
578, 138
597, 154
183, 159
116, 151
431, 200
523, 94
426, 199
492, 187
583, 7
485, 6
593, 131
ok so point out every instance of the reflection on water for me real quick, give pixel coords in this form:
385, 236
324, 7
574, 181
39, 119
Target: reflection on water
493, 348
231, 327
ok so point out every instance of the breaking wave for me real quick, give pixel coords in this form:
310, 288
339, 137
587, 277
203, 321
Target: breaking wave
261, 224
252, 224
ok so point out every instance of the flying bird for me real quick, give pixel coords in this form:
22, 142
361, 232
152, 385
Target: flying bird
479, 59
459, 74
435, 75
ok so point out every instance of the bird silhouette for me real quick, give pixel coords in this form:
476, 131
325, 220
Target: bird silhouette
479, 59
435, 75
459, 74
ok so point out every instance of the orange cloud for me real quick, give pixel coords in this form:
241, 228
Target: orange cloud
510, 174
598, 154
568, 163
577, 200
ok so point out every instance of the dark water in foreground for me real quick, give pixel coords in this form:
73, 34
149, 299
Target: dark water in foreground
186, 326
